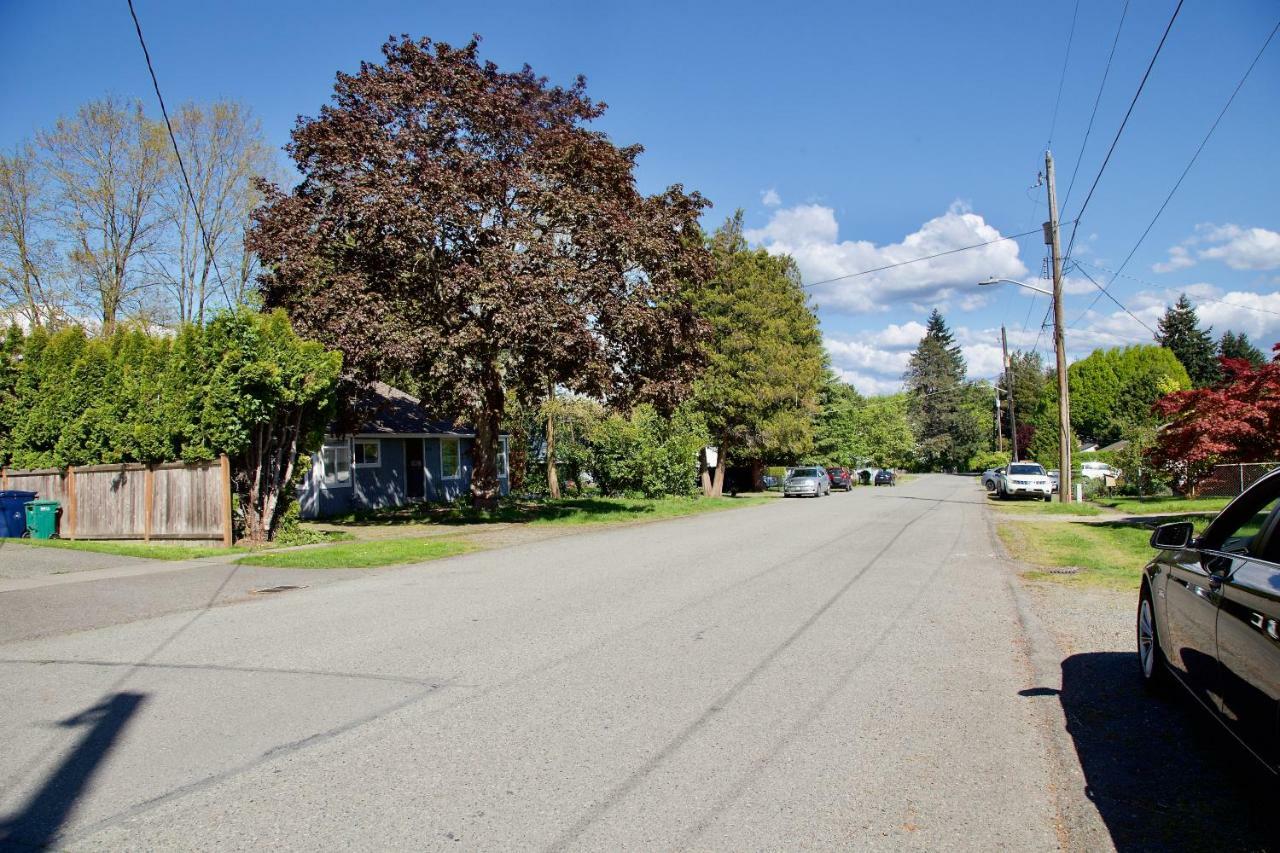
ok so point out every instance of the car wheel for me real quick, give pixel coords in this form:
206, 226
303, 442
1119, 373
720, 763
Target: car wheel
1151, 662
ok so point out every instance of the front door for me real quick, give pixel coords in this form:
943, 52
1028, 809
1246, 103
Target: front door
415, 475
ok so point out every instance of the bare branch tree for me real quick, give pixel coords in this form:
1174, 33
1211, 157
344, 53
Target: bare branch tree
108, 164
223, 150
29, 274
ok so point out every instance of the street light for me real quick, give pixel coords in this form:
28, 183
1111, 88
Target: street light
1064, 402
991, 281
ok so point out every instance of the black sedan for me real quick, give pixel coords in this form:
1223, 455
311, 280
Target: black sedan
885, 477
1209, 616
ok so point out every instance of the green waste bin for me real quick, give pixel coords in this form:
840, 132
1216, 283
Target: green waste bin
42, 519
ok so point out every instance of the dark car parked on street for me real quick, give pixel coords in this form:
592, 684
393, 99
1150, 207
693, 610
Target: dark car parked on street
1209, 616
885, 477
841, 478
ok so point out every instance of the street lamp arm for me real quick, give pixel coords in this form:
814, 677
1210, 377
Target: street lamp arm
992, 281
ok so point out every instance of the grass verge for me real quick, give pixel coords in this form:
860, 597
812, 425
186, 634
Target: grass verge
145, 550
360, 555
1136, 506
1107, 554
1029, 507
580, 510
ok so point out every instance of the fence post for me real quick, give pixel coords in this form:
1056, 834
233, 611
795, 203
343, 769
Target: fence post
1240, 468
71, 501
224, 463
148, 501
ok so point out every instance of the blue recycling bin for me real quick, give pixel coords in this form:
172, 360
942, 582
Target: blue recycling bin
13, 512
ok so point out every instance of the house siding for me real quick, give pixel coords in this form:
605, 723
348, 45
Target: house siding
386, 485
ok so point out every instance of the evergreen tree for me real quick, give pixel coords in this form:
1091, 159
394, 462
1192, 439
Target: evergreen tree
765, 362
1027, 377
1239, 346
935, 380
1179, 330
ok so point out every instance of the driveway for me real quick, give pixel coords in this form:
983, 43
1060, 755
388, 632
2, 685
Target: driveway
854, 671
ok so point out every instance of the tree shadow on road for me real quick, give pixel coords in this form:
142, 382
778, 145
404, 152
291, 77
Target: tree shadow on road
38, 822
1162, 774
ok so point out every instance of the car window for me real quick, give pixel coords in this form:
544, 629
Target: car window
1245, 538
1026, 469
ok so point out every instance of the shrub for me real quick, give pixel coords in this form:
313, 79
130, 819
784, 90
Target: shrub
988, 459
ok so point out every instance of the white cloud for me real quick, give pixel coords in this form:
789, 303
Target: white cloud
1179, 258
1238, 248
770, 198
810, 234
1241, 248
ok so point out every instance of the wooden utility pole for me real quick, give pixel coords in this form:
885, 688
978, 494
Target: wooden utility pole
999, 422
1008, 382
1059, 342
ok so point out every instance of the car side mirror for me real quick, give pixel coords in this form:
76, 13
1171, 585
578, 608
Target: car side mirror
1172, 537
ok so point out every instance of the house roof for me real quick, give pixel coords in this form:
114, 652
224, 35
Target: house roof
395, 412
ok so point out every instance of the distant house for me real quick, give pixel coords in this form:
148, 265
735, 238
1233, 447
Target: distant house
400, 454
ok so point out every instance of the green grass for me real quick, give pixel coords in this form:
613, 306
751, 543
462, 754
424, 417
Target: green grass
1166, 504
1054, 507
360, 555
146, 550
579, 510
1108, 554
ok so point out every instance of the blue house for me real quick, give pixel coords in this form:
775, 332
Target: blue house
400, 454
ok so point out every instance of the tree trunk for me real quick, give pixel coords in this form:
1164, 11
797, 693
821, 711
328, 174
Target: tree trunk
553, 477
704, 473
722, 462
485, 489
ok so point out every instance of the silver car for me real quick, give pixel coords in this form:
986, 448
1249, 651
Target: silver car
807, 482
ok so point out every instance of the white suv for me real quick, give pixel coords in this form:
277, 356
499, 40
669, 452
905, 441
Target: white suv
1025, 479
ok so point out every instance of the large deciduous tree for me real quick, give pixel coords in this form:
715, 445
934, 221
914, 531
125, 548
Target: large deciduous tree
765, 362
29, 262
1179, 330
108, 163
465, 225
1235, 421
1112, 390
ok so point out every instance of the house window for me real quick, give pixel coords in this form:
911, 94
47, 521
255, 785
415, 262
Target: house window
502, 457
335, 465
450, 459
367, 452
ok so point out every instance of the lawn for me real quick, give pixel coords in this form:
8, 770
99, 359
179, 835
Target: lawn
146, 550
1054, 507
577, 510
1108, 554
360, 555
1162, 505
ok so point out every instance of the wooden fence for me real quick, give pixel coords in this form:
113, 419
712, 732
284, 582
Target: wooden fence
173, 500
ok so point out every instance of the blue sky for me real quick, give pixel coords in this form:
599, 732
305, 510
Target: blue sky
852, 134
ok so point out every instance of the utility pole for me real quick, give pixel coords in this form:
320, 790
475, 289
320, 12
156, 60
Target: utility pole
999, 421
1059, 343
1008, 381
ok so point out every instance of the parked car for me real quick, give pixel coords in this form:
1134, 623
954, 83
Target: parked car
809, 481
841, 478
1098, 470
770, 481
885, 477
1053, 479
1209, 616
1024, 479
991, 477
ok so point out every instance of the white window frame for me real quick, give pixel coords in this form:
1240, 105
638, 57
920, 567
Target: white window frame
504, 466
378, 452
332, 479
457, 445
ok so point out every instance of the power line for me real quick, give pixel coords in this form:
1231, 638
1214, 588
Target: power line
1163, 287
1112, 298
1132, 103
1063, 77
925, 258
195, 207
1097, 100
1186, 170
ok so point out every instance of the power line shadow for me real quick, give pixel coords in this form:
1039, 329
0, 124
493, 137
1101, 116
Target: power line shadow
39, 821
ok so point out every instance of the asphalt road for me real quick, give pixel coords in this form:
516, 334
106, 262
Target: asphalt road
842, 672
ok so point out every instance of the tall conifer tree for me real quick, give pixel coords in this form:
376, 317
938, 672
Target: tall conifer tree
1179, 330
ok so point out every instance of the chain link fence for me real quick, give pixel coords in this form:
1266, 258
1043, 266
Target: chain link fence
1227, 481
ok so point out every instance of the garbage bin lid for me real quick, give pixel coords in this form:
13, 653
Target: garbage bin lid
45, 502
